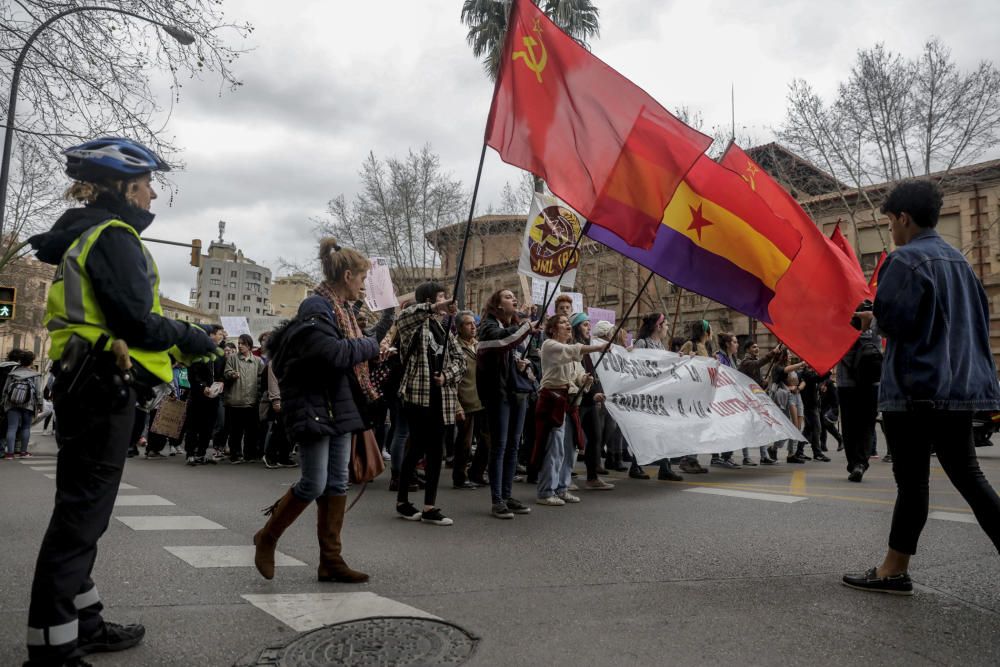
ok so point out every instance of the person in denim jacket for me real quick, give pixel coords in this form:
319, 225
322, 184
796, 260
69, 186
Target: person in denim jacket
938, 369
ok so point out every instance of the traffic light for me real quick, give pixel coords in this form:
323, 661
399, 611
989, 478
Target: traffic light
8, 297
195, 252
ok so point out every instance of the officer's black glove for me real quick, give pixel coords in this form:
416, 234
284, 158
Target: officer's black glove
195, 341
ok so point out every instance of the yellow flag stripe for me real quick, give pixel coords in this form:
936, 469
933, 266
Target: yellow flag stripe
728, 236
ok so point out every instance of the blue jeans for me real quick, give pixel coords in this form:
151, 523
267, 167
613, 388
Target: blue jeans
18, 420
556, 471
400, 433
506, 422
324, 462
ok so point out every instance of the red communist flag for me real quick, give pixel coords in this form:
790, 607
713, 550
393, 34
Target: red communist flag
873, 283
599, 141
816, 297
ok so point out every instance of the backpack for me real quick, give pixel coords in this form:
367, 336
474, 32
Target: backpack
865, 360
20, 392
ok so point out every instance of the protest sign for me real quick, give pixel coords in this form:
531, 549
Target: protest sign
668, 405
379, 293
235, 326
549, 239
598, 314
169, 419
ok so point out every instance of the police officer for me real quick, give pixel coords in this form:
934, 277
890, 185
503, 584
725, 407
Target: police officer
105, 293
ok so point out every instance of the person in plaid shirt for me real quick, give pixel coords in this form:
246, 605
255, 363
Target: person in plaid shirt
433, 366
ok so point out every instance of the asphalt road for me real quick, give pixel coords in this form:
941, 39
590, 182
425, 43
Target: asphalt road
650, 573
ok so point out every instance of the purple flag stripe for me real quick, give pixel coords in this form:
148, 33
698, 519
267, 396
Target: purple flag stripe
683, 262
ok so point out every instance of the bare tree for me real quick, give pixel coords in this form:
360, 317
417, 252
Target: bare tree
92, 73
32, 200
895, 118
515, 198
401, 199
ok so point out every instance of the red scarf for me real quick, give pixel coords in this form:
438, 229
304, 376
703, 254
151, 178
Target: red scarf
349, 327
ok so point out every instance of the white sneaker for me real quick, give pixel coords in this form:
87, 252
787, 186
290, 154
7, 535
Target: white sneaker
598, 485
574, 487
569, 498
551, 501
173, 450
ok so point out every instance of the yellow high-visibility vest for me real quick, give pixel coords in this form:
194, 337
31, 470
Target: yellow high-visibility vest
72, 307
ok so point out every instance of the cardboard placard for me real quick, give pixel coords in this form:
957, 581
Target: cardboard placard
598, 314
169, 419
236, 326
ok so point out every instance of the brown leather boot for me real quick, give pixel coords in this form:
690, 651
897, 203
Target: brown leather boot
329, 521
282, 514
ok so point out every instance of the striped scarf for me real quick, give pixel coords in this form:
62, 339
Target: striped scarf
349, 327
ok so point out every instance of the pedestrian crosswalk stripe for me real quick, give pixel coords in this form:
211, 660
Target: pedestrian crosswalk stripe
308, 611
45, 468
169, 523
952, 516
141, 501
125, 487
50, 475
226, 556
772, 497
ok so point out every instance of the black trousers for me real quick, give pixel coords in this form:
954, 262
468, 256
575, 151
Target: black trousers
200, 424
427, 442
243, 424
592, 420
95, 426
858, 411
278, 449
912, 435
812, 430
473, 426
829, 426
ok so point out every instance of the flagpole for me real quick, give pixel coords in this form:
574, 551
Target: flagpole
468, 229
677, 314
614, 335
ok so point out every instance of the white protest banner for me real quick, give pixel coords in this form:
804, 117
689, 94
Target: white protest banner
549, 236
235, 326
577, 299
598, 314
379, 293
542, 290
668, 405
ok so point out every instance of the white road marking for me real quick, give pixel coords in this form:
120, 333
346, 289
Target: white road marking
50, 475
952, 516
45, 468
308, 611
141, 501
169, 523
772, 497
125, 487
227, 556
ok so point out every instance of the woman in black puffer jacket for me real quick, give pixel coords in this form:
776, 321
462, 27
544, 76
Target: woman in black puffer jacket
321, 361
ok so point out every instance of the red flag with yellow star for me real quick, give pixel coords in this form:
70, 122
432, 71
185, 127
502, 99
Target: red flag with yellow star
719, 239
812, 309
600, 142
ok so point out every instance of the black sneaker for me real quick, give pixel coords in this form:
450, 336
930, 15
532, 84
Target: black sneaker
795, 459
669, 476
821, 457
111, 637
517, 507
408, 512
856, 474
465, 485
887, 458
897, 584
271, 465
501, 511
192, 461
435, 517
635, 472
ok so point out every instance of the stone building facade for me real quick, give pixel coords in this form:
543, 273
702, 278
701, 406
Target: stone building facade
608, 280
27, 331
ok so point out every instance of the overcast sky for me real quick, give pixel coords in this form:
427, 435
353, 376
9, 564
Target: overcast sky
327, 82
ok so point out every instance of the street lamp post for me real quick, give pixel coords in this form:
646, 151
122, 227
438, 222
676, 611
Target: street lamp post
182, 36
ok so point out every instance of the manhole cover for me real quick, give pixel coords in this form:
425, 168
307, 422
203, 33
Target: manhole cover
380, 641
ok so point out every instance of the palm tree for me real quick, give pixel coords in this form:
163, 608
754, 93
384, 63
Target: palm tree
487, 21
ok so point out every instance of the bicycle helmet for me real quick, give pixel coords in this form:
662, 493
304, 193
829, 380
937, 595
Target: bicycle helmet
111, 158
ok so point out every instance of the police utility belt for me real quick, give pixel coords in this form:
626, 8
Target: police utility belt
83, 365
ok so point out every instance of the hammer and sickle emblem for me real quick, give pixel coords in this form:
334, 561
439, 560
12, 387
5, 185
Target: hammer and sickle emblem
750, 177
535, 64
